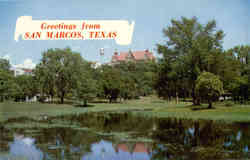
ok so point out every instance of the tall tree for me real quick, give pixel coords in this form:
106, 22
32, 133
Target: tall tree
86, 88
46, 79
111, 82
137, 78
59, 70
193, 47
6, 85
238, 82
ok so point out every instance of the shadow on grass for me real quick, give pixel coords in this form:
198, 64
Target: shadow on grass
100, 101
159, 101
198, 108
83, 106
169, 102
243, 123
58, 103
107, 102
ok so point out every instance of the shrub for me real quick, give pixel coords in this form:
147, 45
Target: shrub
229, 104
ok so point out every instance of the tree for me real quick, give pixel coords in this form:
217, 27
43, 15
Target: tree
237, 81
4, 64
6, 80
6, 85
26, 87
209, 87
58, 71
193, 47
129, 87
239, 88
170, 80
137, 78
86, 88
111, 82
46, 79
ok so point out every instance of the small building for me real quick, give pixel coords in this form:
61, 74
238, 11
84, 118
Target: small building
95, 64
132, 56
21, 71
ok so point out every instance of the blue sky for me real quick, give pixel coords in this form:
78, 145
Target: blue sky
150, 18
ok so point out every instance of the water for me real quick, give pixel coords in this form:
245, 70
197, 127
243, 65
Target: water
112, 136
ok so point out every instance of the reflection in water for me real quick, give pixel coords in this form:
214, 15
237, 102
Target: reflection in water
25, 147
106, 151
191, 131
122, 137
238, 136
246, 149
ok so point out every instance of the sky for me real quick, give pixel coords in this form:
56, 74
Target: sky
150, 17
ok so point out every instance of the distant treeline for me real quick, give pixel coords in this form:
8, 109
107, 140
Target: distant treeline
192, 64
63, 73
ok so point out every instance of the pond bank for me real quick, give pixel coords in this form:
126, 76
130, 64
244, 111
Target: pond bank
147, 106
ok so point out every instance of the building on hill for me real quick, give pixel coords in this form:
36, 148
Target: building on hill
132, 56
21, 71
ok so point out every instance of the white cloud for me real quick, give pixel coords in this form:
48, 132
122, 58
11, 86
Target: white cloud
26, 64
6, 57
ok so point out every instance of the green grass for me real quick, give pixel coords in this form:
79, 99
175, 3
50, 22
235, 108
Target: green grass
149, 106
237, 113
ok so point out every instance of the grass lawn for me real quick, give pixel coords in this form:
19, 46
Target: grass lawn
149, 106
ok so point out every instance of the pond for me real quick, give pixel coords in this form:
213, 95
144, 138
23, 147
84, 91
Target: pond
121, 136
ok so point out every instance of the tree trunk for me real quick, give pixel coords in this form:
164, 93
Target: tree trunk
52, 99
209, 104
184, 98
177, 98
85, 103
62, 97
193, 96
196, 99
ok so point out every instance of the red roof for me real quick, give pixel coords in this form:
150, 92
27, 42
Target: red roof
137, 55
123, 147
27, 70
138, 148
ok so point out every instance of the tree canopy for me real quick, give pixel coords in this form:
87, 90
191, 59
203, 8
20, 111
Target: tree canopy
191, 48
209, 87
59, 71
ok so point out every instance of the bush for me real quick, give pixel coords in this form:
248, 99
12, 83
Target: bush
229, 104
41, 99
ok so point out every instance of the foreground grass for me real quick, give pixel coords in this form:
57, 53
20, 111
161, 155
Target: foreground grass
148, 106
